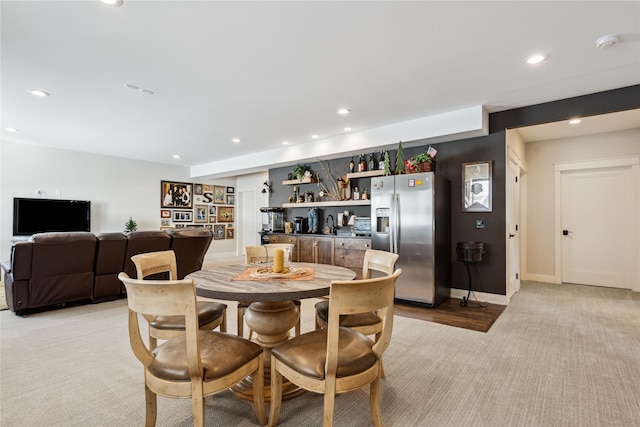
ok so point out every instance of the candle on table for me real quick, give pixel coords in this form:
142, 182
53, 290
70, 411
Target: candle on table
278, 261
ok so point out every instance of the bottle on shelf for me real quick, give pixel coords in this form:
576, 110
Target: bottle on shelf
352, 165
362, 164
372, 162
356, 194
381, 161
365, 195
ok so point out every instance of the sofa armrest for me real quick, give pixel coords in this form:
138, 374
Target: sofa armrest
6, 266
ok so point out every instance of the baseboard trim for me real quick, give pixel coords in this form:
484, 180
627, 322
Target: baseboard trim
545, 278
481, 296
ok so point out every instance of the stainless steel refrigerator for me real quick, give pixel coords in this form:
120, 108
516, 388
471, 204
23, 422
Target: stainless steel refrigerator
410, 216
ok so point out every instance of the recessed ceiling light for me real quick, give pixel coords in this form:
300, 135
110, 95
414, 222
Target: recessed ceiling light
12, 130
537, 58
236, 140
314, 136
176, 156
116, 3
285, 142
343, 111
347, 129
38, 92
574, 121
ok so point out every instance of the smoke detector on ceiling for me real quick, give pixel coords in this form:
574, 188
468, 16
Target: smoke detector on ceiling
607, 41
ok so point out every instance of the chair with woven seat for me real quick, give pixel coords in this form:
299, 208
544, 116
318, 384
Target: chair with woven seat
211, 314
195, 363
338, 359
259, 255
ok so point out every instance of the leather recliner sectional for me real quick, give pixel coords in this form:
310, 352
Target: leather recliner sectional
53, 269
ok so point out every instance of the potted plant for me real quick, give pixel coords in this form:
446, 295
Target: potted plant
130, 226
425, 161
300, 172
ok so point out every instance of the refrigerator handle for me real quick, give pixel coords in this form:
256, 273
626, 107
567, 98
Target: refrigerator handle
395, 226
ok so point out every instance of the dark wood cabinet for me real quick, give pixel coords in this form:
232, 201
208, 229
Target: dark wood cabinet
343, 251
350, 253
315, 249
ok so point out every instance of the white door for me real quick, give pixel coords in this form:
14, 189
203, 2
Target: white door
597, 226
513, 226
246, 229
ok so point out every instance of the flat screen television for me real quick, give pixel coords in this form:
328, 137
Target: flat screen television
32, 216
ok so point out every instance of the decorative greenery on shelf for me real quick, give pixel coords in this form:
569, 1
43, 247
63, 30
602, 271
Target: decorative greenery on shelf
417, 162
130, 225
300, 171
337, 184
422, 158
387, 164
399, 159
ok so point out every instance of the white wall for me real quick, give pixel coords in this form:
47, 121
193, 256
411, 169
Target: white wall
117, 188
540, 158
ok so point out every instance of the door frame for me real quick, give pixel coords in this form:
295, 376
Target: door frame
515, 205
633, 162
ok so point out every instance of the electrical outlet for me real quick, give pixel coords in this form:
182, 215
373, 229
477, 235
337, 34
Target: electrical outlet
479, 223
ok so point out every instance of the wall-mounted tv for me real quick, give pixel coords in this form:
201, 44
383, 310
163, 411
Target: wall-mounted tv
32, 216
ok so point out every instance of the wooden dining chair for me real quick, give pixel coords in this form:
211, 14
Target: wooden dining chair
366, 323
338, 359
259, 255
211, 314
195, 363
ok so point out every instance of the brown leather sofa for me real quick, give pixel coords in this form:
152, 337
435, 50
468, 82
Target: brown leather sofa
53, 269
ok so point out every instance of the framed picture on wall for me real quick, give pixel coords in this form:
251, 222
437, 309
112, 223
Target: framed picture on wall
230, 199
218, 232
197, 189
182, 216
165, 213
230, 233
230, 190
202, 213
476, 186
176, 194
225, 213
165, 223
218, 194
207, 188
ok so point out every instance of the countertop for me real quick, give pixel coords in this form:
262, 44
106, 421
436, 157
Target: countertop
344, 236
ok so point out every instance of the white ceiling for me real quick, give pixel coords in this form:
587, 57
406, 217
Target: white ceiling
266, 72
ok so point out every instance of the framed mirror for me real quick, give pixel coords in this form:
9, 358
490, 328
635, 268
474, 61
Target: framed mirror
476, 186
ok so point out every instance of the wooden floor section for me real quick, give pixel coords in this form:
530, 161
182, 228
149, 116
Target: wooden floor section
451, 313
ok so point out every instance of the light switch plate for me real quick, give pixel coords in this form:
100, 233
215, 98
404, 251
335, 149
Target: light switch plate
479, 223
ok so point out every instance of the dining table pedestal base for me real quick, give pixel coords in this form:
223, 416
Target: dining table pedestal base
271, 322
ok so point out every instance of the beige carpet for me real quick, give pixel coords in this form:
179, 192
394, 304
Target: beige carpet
559, 355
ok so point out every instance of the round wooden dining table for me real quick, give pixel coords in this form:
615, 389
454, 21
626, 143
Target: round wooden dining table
272, 313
